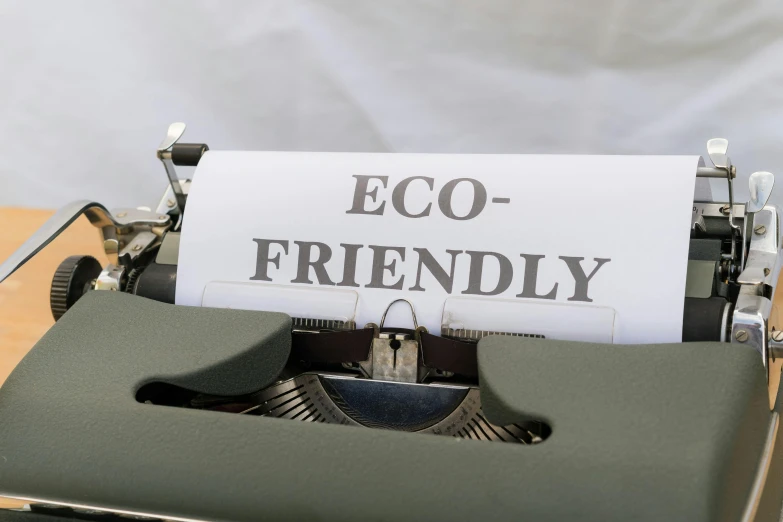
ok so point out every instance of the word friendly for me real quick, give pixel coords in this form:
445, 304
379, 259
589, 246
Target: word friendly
385, 258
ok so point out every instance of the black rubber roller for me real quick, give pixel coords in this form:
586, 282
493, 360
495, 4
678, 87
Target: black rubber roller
72, 279
187, 154
703, 319
158, 282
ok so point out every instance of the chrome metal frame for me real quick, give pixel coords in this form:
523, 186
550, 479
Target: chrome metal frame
126, 233
757, 280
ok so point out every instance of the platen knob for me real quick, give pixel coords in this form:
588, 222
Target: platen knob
71, 280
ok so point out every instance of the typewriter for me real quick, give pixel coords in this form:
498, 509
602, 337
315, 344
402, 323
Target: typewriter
134, 407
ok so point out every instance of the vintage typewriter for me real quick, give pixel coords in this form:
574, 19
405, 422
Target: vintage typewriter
133, 407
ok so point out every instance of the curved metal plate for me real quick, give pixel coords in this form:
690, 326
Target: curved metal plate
174, 133
422, 408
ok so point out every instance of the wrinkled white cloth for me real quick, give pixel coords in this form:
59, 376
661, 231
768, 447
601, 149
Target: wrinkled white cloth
89, 87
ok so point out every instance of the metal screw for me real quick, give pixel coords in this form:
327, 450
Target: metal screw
741, 335
161, 217
766, 271
760, 229
725, 210
170, 203
777, 335
136, 248
122, 214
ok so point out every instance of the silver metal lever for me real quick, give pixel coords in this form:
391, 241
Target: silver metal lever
95, 212
100, 218
175, 132
760, 186
717, 149
764, 247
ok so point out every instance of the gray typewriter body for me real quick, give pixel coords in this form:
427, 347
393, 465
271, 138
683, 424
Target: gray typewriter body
131, 406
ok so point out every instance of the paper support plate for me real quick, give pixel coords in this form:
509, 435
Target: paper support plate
310, 303
475, 318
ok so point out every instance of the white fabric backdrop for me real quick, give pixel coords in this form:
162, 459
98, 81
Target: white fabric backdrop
87, 88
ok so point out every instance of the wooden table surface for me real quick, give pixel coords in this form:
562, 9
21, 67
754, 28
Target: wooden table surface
24, 297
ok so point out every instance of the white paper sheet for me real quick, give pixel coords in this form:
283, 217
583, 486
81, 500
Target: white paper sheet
541, 225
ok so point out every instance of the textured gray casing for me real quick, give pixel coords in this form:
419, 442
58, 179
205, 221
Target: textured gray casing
664, 432
674, 425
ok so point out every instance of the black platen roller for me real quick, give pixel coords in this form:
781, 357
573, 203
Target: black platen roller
703, 319
157, 282
187, 154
